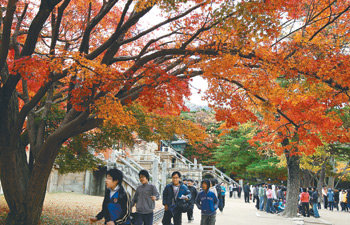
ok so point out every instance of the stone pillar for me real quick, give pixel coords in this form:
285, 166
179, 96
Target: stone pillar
87, 182
195, 163
164, 175
155, 172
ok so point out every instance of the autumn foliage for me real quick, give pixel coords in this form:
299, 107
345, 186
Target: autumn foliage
289, 77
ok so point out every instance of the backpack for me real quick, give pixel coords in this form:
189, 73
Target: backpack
181, 205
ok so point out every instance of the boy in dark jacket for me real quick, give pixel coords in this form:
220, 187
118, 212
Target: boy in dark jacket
207, 202
172, 194
116, 203
314, 201
194, 193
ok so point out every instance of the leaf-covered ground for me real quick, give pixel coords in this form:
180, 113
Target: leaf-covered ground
64, 208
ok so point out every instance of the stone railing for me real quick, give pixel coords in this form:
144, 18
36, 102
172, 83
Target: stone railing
181, 161
218, 174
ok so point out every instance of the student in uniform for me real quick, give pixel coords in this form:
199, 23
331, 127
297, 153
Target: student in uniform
116, 203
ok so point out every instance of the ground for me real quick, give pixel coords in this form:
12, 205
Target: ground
72, 208
236, 212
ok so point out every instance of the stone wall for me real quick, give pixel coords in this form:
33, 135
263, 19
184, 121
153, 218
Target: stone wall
71, 182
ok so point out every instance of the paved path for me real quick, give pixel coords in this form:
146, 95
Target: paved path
237, 212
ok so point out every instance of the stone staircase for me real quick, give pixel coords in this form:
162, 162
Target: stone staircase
161, 164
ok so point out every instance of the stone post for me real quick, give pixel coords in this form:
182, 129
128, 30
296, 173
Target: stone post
87, 182
155, 172
164, 175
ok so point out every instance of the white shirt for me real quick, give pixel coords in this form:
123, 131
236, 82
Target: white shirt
113, 191
176, 190
213, 189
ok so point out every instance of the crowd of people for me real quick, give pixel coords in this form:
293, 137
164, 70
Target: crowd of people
272, 199
178, 197
181, 196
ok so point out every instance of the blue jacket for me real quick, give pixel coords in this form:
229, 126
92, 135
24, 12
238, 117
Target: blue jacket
168, 195
207, 202
223, 190
330, 196
116, 208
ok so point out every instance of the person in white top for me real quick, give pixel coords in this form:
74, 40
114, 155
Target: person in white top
212, 188
230, 187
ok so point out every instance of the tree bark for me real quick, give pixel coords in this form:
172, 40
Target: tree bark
321, 180
293, 185
24, 190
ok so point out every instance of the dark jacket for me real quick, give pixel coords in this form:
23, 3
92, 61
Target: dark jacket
194, 193
168, 195
336, 196
120, 203
218, 190
314, 197
246, 188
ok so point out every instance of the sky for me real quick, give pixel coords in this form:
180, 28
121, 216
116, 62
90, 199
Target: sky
198, 83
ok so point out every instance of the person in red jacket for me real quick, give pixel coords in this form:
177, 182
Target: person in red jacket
305, 199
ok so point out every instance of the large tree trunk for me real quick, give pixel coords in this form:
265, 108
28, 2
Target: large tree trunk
293, 185
24, 187
24, 190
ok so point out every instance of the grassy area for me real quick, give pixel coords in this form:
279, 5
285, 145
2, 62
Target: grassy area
64, 209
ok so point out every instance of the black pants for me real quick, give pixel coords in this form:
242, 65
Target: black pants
177, 217
257, 202
336, 205
325, 201
255, 197
246, 197
305, 207
146, 219
190, 213
231, 194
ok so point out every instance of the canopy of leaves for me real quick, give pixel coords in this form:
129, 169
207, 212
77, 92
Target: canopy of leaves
287, 77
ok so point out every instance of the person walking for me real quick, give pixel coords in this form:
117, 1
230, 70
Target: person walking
223, 194
336, 199
194, 193
269, 196
261, 197
343, 200
256, 196
173, 194
348, 199
207, 202
145, 196
330, 199
253, 191
305, 201
213, 187
314, 201
325, 199
230, 187
246, 190
116, 203
265, 197
239, 191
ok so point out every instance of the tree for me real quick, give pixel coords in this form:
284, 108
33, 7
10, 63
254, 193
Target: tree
238, 157
92, 59
288, 79
203, 150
